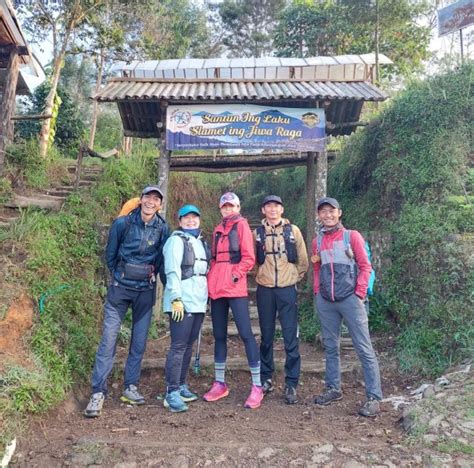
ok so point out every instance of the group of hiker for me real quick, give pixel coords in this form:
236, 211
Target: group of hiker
140, 247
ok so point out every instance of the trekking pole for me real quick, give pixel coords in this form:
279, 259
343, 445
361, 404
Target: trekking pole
197, 357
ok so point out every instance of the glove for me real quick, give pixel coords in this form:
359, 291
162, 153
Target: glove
177, 310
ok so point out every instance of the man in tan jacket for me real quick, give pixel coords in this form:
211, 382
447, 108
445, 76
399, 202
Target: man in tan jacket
282, 262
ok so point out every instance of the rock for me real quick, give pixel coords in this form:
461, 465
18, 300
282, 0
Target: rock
441, 381
435, 422
326, 448
345, 450
131, 464
429, 438
468, 425
266, 453
320, 458
440, 459
181, 461
220, 459
353, 464
420, 389
429, 391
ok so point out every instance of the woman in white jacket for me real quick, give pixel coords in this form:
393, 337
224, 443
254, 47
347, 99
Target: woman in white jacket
186, 257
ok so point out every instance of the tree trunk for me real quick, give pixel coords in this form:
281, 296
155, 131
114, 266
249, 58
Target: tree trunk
95, 107
7, 105
46, 127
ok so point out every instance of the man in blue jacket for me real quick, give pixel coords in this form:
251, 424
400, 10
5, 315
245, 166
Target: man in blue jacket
134, 257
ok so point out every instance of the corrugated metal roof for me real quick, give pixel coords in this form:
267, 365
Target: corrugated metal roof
335, 68
234, 90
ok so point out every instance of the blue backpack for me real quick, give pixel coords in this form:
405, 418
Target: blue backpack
347, 245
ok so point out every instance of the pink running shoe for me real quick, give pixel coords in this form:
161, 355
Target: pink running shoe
255, 398
218, 390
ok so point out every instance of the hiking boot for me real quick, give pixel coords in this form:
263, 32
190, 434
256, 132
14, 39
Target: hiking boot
255, 398
218, 390
267, 387
370, 408
290, 395
328, 396
174, 402
131, 396
94, 408
186, 394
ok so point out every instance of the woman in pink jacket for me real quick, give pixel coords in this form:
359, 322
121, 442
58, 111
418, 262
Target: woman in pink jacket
232, 257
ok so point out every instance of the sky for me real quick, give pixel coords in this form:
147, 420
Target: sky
439, 46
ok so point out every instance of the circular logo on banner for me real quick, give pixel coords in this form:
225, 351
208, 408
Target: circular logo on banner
181, 118
310, 119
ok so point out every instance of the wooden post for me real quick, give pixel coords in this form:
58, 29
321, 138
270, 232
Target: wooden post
164, 164
80, 156
321, 175
310, 206
7, 106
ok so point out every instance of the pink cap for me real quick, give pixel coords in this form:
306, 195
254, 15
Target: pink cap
229, 197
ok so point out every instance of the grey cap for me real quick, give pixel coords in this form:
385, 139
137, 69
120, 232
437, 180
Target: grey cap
328, 201
152, 188
272, 199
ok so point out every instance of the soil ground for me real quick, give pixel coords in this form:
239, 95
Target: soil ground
224, 433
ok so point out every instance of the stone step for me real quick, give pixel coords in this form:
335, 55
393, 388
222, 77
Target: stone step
240, 363
45, 202
232, 328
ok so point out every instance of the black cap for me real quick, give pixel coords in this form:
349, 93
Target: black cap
152, 188
272, 199
328, 201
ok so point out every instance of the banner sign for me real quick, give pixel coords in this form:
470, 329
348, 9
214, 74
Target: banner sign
244, 126
456, 16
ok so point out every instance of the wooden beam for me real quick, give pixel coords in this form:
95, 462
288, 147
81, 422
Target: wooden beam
32, 117
6, 50
332, 126
321, 175
7, 105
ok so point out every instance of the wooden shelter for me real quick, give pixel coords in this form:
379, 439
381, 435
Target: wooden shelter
339, 85
19, 72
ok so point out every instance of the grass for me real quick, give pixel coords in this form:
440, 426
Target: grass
453, 446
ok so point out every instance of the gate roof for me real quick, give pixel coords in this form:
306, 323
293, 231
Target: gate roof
339, 84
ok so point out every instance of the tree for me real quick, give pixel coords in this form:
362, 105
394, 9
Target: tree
174, 29
248, 26
331, 27
69, 126
60, 19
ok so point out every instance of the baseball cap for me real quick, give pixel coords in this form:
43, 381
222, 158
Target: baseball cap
329, 201
152, 188
186, 209
229, 197
272, 198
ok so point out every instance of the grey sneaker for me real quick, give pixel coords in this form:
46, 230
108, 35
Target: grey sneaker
267, 387
131, 396
328, 396
290, 395
94, 408
370, 408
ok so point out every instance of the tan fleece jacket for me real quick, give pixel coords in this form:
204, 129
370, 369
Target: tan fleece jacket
276, 271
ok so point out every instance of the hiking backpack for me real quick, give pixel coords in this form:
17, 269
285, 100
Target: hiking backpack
348, 248
290, 244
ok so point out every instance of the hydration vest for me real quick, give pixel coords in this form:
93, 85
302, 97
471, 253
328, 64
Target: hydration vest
290, 244
189, 257
234, 245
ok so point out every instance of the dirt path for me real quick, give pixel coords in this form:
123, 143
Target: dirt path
223, 433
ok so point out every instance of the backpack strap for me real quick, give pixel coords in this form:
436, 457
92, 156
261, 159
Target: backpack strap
319, 241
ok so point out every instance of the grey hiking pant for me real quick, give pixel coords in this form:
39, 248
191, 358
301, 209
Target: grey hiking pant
352, 310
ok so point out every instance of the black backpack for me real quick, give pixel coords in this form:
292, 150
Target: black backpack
290, 244
234, 245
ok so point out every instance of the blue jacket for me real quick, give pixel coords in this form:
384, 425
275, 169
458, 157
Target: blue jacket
133, 248
192, 291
